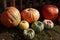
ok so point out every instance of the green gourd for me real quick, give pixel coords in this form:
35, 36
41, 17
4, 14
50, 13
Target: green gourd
38, 26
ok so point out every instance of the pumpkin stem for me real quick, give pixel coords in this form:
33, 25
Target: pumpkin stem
29, 31
29, 9
23, 22
39, 23
48, 22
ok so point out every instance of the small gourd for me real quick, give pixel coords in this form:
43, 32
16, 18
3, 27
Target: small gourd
29, 33
38, 26
48, 24
23, 25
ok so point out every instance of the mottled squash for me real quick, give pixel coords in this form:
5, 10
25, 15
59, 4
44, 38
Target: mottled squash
48, 24
29, 33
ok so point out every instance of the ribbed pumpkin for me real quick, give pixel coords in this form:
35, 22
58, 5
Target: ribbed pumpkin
48, 24
29, 33
38, 26
11, 17
30, 14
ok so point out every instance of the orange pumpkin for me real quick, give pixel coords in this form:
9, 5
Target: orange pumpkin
30, 14
10, 17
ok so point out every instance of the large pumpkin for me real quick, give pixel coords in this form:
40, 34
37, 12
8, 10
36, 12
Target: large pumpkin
10, 17
30, 14
50, 11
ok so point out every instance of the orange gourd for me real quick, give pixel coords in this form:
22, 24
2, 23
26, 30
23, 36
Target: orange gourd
30, 14
10, 17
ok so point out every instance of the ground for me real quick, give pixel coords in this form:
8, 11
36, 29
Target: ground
17, 34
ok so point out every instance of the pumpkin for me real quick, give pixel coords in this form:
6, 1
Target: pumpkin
50, 11
48, 24
30, 14
11, 17
38, 26
29, 33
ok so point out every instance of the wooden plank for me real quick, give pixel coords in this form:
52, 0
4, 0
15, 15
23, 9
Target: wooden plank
4, 5
13, 3
20, 2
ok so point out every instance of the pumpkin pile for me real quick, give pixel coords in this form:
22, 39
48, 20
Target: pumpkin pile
28, 19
